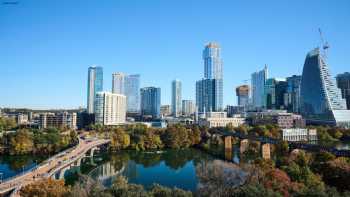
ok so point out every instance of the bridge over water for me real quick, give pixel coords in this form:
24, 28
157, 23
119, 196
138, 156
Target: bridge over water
51, 166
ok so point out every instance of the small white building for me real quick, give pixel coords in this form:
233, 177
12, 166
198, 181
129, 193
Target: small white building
22, 119
299, 134
220, 119
110, 108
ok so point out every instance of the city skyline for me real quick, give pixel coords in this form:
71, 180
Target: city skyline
67, 55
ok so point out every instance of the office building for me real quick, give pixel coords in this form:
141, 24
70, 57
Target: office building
242, 93
276, 117
110, 108
128, 85
58, 120
165, 110
95, 84
293, 93
275, 93
150, 102
209, 90
22, 119
219, 119
118, 83
258, 81
176, 98
206, 95
321, 100
234, 110
188, 108
343, 83
85, 119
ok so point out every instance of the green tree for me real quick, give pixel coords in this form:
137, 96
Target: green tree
119, 139
21, 142
176, 136
337, 173
255, 190
7, 124
194, 135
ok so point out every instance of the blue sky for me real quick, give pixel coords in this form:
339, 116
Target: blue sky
47, 46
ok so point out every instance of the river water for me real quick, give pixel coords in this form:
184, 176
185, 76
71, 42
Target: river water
183, 169
11, 166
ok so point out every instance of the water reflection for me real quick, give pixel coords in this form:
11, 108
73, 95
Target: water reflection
186, 169
13, 165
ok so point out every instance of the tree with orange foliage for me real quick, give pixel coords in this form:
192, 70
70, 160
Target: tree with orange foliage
278, 180
45, 188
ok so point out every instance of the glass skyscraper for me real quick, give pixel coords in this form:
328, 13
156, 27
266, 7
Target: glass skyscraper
176, 98
118, 83
321, 101
95, 84
150, 102
293, 93
258, 80
275, 93
242, 93
343, 82
128, 85
209, 91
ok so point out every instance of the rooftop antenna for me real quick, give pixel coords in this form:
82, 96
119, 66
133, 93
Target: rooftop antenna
325, 45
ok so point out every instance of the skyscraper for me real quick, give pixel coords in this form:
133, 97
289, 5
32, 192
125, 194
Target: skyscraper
95, 84
206, 95
176, 98
293, 93
242, 93
343, 82
275, 93
110, 108
128, 85
258, 80
321, 101
150, 101
118, 83
209, 90
188, 107
212, 61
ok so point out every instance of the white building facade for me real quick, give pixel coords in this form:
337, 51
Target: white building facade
219, 119
298, 134
110, 108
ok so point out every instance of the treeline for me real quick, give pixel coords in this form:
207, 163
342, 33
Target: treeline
331, 134
36, 141
140, 137
7, 124
87, 187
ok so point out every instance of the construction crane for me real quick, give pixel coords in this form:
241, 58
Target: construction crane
324, 44
245, 81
